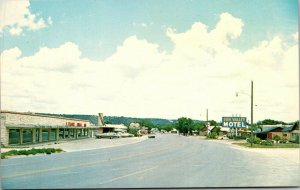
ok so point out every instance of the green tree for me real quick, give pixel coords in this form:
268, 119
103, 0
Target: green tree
167, 127
270, 122
147, 123
213, 123
198, 126
184, 125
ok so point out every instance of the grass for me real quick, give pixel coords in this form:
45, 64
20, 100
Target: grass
288, 145
32, 151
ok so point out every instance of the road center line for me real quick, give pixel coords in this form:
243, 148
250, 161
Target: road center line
124, 176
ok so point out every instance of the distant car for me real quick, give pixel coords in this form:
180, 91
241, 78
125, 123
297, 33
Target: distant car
107, 135
151, 136
126, 134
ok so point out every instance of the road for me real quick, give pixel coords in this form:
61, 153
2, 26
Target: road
165, 161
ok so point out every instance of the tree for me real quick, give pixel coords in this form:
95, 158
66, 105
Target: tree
198, 126
270, 122
147, 123
255, 128
213, 123
166, 127
184, 125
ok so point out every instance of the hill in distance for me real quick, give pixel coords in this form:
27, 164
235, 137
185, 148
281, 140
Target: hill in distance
116, 119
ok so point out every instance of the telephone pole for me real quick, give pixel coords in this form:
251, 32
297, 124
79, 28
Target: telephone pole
251, 113
206, 115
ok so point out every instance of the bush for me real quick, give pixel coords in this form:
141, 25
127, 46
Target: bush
31, 151
264, 142
254, 140
283, 140
240, 137
213, 135
276, 138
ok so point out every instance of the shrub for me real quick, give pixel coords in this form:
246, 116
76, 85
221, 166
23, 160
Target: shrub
254, 140
283, 140
264, 142
22, 152
240, 137
59, 150
31, 151
276, 138
3, 156
213, 135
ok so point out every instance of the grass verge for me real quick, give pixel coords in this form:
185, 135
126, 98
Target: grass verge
289, 145
32, 151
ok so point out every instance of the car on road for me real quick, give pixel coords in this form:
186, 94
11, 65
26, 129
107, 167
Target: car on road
151, 136
126, 134
110, 135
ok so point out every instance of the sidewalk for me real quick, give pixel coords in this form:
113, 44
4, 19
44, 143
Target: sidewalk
83, 144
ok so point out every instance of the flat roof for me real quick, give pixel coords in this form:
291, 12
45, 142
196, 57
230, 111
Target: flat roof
12, 126
115, 126
42, 115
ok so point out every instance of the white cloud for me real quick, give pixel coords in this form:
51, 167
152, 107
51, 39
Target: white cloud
143, 24
296, 36
202, 71
15, 15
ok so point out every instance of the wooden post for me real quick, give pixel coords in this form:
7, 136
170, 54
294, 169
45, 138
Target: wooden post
64, 132
57, 134
76, 133
33, 135
40, 135
49, 133
21, 136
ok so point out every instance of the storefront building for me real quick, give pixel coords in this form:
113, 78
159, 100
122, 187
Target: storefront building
19, 128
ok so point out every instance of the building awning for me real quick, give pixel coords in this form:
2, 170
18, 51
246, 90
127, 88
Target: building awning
267, 129
114, 126
23, 126
296, 131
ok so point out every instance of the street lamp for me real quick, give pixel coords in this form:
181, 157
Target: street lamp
251, 113
251, 125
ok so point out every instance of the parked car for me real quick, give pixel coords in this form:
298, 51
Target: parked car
151, 136
126, 134
108, 135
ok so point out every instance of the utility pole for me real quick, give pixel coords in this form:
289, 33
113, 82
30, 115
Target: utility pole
207, 126
206, 115
251, 113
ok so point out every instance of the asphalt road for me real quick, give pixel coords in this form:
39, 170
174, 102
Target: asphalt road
165, 161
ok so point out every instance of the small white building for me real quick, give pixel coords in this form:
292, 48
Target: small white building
174, 131
135, 125
113, 128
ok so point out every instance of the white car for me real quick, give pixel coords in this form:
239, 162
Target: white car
108, 135
126, 135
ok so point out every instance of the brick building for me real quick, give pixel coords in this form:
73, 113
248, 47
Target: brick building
19, 128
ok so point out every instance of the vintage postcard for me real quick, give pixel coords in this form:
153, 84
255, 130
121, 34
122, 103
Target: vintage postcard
149, 94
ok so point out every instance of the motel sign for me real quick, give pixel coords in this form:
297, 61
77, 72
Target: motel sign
234, 122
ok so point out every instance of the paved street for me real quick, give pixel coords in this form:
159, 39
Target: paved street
166, 161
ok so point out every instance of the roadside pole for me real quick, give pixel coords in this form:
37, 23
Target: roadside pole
251, 113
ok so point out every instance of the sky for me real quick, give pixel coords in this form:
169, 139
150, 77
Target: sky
147, 58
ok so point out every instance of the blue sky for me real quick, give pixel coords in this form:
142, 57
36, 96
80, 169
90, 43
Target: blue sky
99, 26
150, 58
